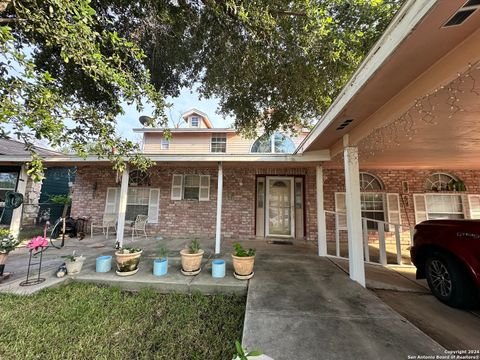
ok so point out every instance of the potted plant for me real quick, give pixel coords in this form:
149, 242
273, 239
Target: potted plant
8, 243
243, 261
127, 260
160, 264
192, 258
73, 263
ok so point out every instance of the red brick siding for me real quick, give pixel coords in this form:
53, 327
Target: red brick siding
180, 218
193, 218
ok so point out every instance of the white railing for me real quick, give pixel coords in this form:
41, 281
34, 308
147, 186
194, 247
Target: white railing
381, 228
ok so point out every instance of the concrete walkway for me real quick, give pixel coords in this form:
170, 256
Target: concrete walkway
91, 248
300, 306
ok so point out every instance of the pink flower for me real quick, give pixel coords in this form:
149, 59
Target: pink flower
37, 242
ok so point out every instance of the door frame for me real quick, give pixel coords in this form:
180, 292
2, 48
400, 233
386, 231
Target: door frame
292, 205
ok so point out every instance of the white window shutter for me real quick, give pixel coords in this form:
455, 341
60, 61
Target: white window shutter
204, 190
420, 204
153, 206
341, 207
111, 202
177, 187
393, 210
474, 205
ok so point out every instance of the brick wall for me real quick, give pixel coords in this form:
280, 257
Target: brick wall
191, 218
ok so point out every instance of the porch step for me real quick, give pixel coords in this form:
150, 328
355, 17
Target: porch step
174, 281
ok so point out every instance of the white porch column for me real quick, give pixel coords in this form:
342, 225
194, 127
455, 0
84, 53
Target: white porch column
17, 213
354, 215
321, 224
122, 207
218, 231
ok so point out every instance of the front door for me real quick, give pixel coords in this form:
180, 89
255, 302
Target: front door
280, 219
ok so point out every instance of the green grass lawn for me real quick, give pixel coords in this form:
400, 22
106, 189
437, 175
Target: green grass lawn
83, 321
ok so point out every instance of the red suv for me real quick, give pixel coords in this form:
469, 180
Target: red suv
447, 254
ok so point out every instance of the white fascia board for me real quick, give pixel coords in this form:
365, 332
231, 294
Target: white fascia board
320, 155
402, 25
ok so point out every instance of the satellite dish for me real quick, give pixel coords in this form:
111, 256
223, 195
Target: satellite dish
145, 120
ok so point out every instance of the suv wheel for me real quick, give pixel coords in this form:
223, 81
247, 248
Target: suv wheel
449, 281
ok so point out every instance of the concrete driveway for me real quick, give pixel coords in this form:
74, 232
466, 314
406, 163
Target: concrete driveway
397, 286
300, 306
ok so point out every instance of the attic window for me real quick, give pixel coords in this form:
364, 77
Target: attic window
194, 121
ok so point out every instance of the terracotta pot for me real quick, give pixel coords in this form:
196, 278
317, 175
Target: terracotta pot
191, 262
3, 258
74, 267
127, 262
243, 265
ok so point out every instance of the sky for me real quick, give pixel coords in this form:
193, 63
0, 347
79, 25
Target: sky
188, 99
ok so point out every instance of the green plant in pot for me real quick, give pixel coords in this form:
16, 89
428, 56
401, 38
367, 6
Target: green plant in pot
243, 354
73, 263
243, 261
192, 258
160, 264
127, 260
8, 243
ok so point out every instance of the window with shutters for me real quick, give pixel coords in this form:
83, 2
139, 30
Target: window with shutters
375, 204
438, 206
190, 187
140, 201
373, 207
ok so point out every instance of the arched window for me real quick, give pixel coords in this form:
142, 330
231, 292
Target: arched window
138, 178
369, 182
262, 145
441, 182
280, 143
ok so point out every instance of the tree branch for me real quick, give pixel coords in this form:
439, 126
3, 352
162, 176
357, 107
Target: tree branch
289, 13
10, 20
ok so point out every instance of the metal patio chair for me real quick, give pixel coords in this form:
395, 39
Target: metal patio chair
108, 221
138, 226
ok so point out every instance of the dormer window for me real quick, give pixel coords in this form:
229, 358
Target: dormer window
194, 121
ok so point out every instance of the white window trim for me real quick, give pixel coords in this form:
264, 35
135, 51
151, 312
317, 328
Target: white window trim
226, 143
375, 178
191, 121
427, 211
182, 187
452, 177
385, 206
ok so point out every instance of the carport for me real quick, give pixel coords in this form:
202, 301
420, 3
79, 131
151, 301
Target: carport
411, 108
